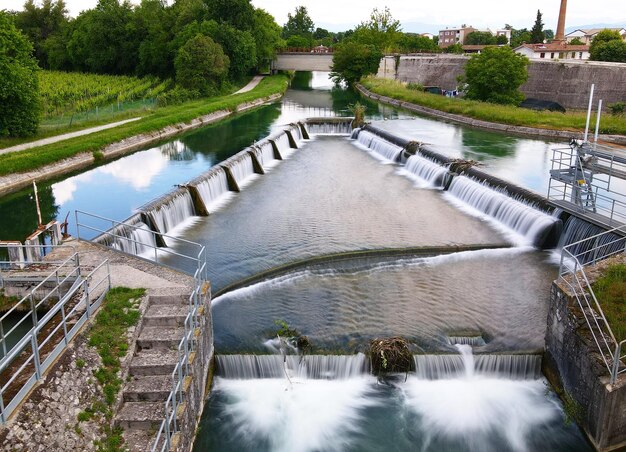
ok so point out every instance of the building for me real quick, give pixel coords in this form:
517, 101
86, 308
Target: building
503, 32
587, 35
554, 51
427, 35
451, 36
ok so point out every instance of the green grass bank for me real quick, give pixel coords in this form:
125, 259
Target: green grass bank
502, 114
34, 158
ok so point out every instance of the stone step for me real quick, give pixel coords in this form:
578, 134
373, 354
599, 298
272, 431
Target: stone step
165, 315
154, 362
140, 415
140, 440
169, 299
160, 337
153, 388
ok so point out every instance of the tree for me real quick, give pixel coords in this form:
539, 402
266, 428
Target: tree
576, 42
480, 38
549, 34
237, 13
201, 65
321, 33
266, 33
155, 24
607, 45
299, 24
237, 44
537, 36
410, 42
19, 90
352, 60
519, 37
454, 48
41, 23
501, 40
495, 75
381, 31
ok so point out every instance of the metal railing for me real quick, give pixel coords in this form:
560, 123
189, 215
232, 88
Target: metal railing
25, 362
188, 344
572, 274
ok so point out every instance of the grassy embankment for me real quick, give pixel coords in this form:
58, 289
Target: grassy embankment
610, 290
158, 119
484, 111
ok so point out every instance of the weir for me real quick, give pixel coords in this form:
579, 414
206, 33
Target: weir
169, 211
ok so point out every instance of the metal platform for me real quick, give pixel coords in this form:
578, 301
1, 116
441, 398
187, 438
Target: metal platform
591, 217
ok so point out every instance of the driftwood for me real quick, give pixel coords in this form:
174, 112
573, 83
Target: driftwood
461, 165
390, 355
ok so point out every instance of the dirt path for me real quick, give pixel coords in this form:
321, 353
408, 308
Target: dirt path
66, 136
251, 85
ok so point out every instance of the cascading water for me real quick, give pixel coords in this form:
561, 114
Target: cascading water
577, 230
213, 189
173, 212
266, 154
242, 169
355, 133
282, 142
380, 146
330, 128
426, 171
132, 237
296, 133
530, 224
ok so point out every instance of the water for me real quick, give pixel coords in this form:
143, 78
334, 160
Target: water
380, 147
477, 410
214, 189
177, 209
425, 172
241, 168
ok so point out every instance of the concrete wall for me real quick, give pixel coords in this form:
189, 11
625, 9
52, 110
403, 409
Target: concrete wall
570, 363
566, 82
303, 62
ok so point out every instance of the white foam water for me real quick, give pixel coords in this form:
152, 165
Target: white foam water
282, 142
214, 190
174, 212
242, 169
380, 148
424, 171
266, 155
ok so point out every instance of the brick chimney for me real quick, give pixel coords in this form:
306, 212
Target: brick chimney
560, 29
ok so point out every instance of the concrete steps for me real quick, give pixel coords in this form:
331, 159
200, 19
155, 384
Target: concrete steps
151, 368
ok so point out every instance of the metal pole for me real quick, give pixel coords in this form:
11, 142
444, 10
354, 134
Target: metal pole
37, 203
616, 361
34, 346
595, 136
589, 112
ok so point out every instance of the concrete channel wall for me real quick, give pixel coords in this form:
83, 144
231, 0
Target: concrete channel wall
571, 363
566, 82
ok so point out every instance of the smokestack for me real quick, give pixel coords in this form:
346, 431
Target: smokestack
560, 29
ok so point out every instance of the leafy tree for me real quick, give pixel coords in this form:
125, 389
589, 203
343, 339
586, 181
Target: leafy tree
266, 34
201, 65
321, 33
537, 36
576, 42
501, 40
454, 48
607, 45
549, 34
187, 12
410, 42
40, 23
352, 60
299, 24
519, 37
19, 90
381, 31
104, 39
154, 23
480, 38
237, 44
298, 42
237, 13
495, 75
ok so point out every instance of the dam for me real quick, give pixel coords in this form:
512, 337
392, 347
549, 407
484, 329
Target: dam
346, 237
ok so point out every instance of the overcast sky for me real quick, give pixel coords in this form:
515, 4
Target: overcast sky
338, 15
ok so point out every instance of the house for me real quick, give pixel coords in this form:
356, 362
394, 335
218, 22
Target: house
427, 35
587, 35
451, 36
554, 51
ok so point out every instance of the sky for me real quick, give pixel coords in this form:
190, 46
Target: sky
427, 16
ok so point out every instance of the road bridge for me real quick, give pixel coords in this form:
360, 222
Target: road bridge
303, 61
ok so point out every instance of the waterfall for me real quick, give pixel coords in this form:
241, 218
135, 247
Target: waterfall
515, 367
246, 367
330, 128
282, 142
241, 168
577, 230
355, 133
175, 209
474, 341
380, 146
135, 240
213, 188
296, 132
426, 170
525, 220
266, 154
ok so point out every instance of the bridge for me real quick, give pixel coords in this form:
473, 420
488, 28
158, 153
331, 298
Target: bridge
303, 60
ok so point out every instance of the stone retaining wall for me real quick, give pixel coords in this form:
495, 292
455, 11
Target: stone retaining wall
572, 365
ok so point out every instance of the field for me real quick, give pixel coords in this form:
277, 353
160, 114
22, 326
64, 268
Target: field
70, 92
503, 114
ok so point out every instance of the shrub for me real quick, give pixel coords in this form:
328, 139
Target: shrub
617, 108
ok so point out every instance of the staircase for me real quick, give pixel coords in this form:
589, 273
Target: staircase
150, 375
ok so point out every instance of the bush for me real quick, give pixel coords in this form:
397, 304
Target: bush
415, 86
617, 108
608, 46
19, 85
495, 75
201, 65
351, 61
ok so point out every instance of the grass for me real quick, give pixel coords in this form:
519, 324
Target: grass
108, 335
503, 114
610, 290
7, 302
37, 157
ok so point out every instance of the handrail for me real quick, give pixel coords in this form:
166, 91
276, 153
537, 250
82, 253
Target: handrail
44, 343
572, 274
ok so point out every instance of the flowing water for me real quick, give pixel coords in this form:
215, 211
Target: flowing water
336, 195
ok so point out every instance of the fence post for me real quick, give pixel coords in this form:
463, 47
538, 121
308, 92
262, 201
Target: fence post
34, 346
33, 309
86, 290
616, 361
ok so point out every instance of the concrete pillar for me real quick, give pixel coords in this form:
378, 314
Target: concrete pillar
16, 253
33, 253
